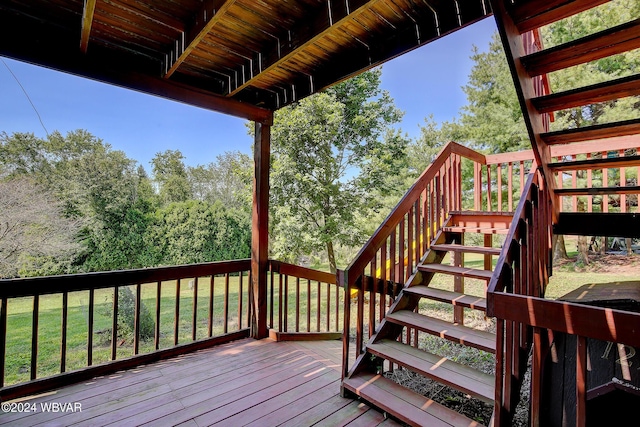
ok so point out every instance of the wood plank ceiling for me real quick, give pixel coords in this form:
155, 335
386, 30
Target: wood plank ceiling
241, 57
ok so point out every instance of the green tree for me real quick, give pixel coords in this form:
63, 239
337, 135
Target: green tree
171, 176
330, 151
101, 189
197, 231
227, 180
492, 119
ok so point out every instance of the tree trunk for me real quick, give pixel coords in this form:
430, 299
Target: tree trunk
332, 257
627, 242
583, 250
559, 248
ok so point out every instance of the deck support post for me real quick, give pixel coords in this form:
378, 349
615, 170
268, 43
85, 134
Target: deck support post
260, 231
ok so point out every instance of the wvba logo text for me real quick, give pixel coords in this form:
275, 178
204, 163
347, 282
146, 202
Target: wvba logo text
61, 407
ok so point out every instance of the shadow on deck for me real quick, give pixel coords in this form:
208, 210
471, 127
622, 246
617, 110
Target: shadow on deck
246, 382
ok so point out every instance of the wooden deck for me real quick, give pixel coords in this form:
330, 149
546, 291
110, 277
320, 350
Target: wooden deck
247, 382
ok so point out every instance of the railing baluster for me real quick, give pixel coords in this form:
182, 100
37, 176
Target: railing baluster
499, 185
90, 328
372, 295
194, 319
156, 334
318, 307
383, 277
489, 200
360, 321
297, 304
3, 338
240, 301
477, 186
329, 304
536, 377
176, 320
63, 332
280, 311
410, 243
346, 298
212, 292
308, 305
271, 296
114, 323
416, 224
498, 403
589, 185
226, 303
581, 381
285, 312
510, 186
248, 305
136, 320
343, 281
424, 216
401, 252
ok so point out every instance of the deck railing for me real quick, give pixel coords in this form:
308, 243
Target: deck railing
63, 329
391, 255
113, 320
526, 322
306, 303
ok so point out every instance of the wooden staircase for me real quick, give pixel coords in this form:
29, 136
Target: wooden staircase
386, 347
518, 23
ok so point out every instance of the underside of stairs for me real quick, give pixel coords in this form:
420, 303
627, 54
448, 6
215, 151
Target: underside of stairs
390, 348
519, 23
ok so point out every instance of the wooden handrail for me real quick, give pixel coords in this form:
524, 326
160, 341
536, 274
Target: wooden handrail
14, 288
302, 272
393, 219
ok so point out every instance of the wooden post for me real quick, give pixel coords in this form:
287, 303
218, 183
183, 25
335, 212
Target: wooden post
259, 231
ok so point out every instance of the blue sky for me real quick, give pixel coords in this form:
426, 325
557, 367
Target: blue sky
425, 81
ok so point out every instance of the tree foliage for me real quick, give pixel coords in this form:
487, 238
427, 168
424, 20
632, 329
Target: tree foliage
330, 151
75, 189
35, 237
492, 119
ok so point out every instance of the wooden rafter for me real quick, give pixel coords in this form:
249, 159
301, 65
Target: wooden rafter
87, 21
284, 52
206, 18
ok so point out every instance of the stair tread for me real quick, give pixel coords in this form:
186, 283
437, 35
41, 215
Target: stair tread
606, 162
403, 403
453, 298
601, 92
614, 224
605, 43
468, 249
535, 13
481, 213
482, 340
479, 230
597, 190
441, 369
458, 271
587, 133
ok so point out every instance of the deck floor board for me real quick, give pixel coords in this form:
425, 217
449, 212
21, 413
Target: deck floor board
247, 382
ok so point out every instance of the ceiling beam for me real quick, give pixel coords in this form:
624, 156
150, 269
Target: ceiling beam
206, 18
87, 20
49, 47
304, 35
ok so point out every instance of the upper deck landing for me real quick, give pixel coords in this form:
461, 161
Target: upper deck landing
246, 382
